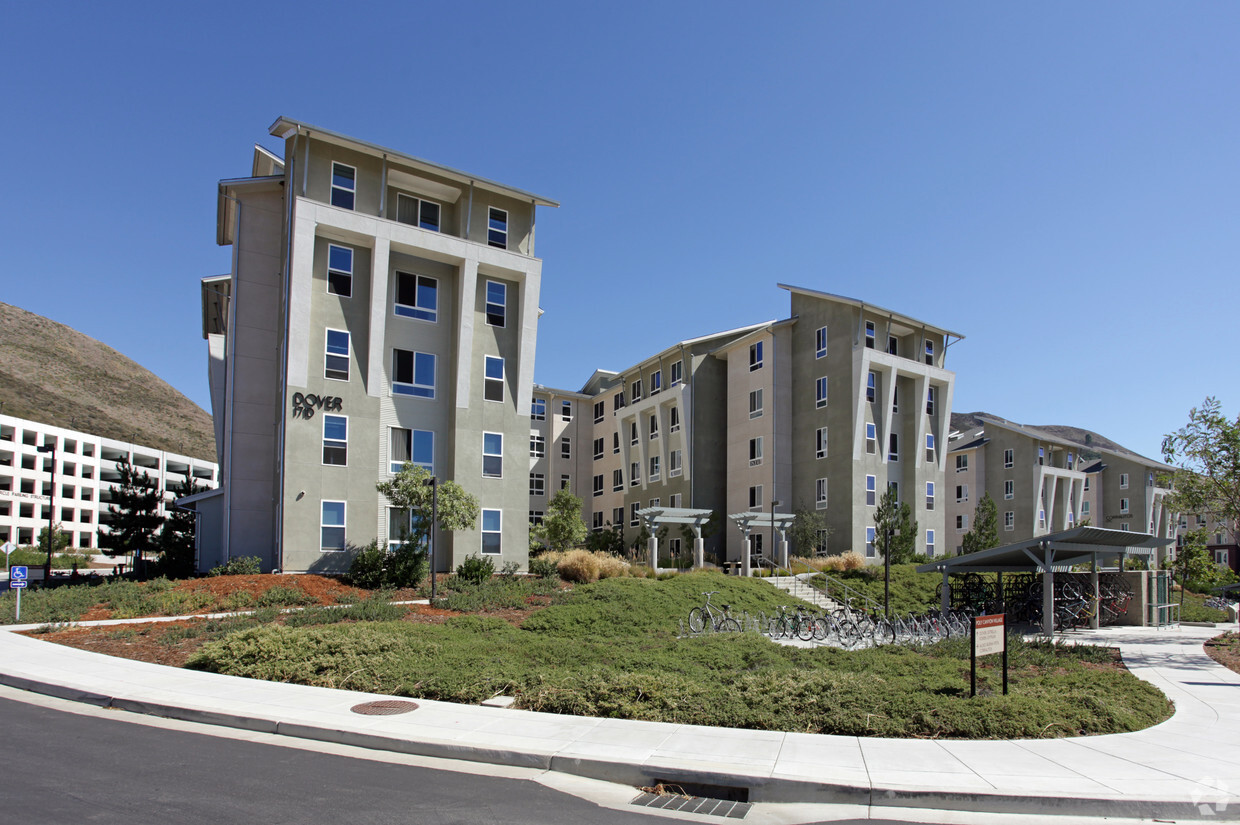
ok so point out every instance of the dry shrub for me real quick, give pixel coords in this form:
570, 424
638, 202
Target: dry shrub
580, 566
852, 560
640, 571
610, 567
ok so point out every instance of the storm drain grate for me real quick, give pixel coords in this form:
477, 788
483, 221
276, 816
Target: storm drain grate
384, 707
693, 804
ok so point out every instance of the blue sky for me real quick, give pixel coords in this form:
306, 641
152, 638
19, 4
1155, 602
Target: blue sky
1056, 181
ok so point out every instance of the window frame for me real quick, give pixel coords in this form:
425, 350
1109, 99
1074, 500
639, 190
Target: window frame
490, 314
755, 411
335, 274
416, 311
538, 484
538, 409
1009, 489
673, 415
677, 372
415, 389
598, 484
820, 494
869, 335
488, 453
490, 383
755, 356
329, 355
820, 342
871, 491
674, 466
1009, 458
929, 495
335, 444
347, 193
655, 469
497, 531
538, 445
342, 526
497, 236
820, 392
755, 451
893, 447
755, 497
871, 387
820, 443
418, 203
1009, 520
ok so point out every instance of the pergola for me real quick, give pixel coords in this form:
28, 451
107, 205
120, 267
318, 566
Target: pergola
656, 517
1050, 554
750, 520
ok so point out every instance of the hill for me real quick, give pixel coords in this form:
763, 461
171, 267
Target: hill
56, 375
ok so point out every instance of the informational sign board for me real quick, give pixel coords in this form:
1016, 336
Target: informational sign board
988, 634
17, 581
8, 547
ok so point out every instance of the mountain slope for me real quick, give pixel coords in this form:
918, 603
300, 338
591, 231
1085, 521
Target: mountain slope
56, 375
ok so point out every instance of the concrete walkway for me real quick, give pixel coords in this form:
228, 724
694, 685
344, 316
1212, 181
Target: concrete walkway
1186, 768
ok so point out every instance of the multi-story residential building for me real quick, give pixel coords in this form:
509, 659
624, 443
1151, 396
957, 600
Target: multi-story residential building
560, 458
380, 309
824, 411
1126, 492
85, 477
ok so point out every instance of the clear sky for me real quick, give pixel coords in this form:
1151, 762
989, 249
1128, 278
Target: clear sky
1057, 182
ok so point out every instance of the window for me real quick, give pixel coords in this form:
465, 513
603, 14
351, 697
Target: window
617, 401
1009, 520
1123, 505
598, 448
929, 447
344, 185
1149, 477
417, 296
673, 500
399, 523
1123, 525
336, 440
1086, 486
566, 447
929, 542
600, 408
1220, 557
820, 392
962, 522
497, 228
893, 345
331, 526
820, 494
962, 492
871, 484
820, 342
1041, 455
1123, 481
615, 443
1070, 461
673, 414
869, 335
656, 381
930, 401
336, 356
633, 518
538, 409
893, 447
413, 373
617, 516
869, 543
635, 391
755, 356
566, 410
654, 468
633, 433
492, 455
820, 443
893, 487
755, 496
339, 270
597, 522
820, 543
929, 495
492, 523
493, 384
755, 451
895, 397
417, 212
677, 372
497, 303
755, 403
1009, 489
538, 484
598, 484
929, 353
536, 518
635, 473
673, 464
654, 426
1009, 458
962, 463
1042, 518
1085, 509
871, 439
871, 387
538, 445
617, 480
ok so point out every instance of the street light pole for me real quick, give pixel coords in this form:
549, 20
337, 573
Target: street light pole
774, 504
887, 576
433, 483
51, 513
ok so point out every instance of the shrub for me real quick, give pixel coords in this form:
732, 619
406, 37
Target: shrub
476, 569
366, 569
610, 567
280, 596
580, 566
240, 566
374, 568
510, 569
852, 560
544, 568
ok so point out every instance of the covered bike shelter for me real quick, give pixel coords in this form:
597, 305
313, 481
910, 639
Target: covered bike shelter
1050, 554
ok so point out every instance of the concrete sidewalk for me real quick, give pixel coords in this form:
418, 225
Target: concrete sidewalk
1186, 768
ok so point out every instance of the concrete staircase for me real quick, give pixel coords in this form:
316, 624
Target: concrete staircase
799, 587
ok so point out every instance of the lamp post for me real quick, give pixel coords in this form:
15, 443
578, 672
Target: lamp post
774, 504
887, 576
433, 483
51, 513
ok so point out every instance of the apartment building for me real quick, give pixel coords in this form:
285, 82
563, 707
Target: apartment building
823, 410
76, 480
380, 309
560, 436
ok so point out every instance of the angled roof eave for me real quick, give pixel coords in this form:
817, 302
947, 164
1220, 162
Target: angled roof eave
899, 316
226, 206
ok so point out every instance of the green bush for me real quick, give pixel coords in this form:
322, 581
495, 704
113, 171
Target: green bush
240, 566
280, 596
374, 609
374, 568
544, 568
476, 569
366, 569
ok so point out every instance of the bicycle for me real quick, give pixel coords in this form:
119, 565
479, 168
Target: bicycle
719, 622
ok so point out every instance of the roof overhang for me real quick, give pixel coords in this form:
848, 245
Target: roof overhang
907, 320
216, 292
1060, 551
226, 203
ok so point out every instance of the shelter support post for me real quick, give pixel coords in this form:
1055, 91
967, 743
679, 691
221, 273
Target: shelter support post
1048, 600
783, 550
699, 548
1093, 592
653, 544
945, 601
745, 569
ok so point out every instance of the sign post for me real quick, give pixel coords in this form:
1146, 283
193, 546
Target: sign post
17, 581
989, 636
8, 547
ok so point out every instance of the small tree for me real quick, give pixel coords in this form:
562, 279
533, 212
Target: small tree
562, 527
985, 531
176, 540
135, 517
895, 530
1193, 562
1206, 454
410, 490
806, 526
59, 544
609, 540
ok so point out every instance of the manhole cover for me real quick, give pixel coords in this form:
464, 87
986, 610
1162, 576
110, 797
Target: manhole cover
385, 707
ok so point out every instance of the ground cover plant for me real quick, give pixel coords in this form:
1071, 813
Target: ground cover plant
611, 649
911, 592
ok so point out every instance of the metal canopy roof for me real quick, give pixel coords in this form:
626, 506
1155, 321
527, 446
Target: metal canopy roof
1061, 550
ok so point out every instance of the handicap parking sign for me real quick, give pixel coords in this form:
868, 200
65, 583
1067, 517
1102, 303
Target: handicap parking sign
18, 575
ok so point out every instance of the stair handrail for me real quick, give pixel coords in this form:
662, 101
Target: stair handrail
801, 579
873, 605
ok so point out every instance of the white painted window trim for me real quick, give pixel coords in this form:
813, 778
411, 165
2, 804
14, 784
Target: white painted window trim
348, 355
334, 187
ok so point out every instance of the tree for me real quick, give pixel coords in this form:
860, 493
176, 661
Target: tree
562, 527
134, 515
176, 540
895, 520
609, 540
1206, 455
1193, 562
410, 490
59, 544
806, 526
985, 531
